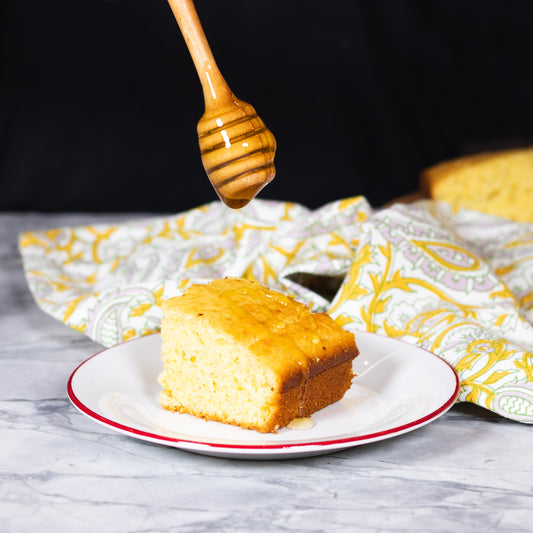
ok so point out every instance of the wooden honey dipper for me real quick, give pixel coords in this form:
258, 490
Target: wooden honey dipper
237, 148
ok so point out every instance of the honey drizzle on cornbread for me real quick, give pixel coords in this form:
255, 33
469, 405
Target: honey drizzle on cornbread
272, 321
263, 321
267, 320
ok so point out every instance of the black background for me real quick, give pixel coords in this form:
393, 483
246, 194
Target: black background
100, 100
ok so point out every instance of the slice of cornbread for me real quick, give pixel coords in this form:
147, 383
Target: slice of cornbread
237, 352
498, 183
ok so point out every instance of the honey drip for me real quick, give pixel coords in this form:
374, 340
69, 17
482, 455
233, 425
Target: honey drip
237, 148
300, 424
303, 393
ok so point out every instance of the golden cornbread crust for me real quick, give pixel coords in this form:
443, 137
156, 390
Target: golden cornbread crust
498, 183
237, 352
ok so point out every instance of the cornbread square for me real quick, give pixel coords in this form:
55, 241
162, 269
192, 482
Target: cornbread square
237, 352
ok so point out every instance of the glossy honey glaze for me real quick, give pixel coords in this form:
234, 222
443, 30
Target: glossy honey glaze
237, 152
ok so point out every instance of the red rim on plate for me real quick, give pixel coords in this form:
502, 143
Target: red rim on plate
334, 443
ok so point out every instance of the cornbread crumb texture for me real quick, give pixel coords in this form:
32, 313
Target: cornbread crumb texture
237, 352
498, 183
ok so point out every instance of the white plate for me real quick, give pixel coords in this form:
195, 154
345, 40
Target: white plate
400, 387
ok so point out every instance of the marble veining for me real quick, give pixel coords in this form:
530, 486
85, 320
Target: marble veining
60, 471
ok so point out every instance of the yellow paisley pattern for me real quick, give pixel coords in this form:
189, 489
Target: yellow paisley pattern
435, 292
451, 251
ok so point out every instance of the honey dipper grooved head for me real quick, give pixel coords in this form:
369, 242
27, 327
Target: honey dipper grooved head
237, 152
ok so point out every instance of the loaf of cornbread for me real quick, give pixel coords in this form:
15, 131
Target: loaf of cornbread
498, 183
237, 352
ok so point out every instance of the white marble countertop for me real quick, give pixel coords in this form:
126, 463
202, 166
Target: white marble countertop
469, 470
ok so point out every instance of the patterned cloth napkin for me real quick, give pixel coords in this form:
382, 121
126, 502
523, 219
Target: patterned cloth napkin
459, 284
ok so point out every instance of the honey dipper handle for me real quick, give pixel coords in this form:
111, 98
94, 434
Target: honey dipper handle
213, 84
